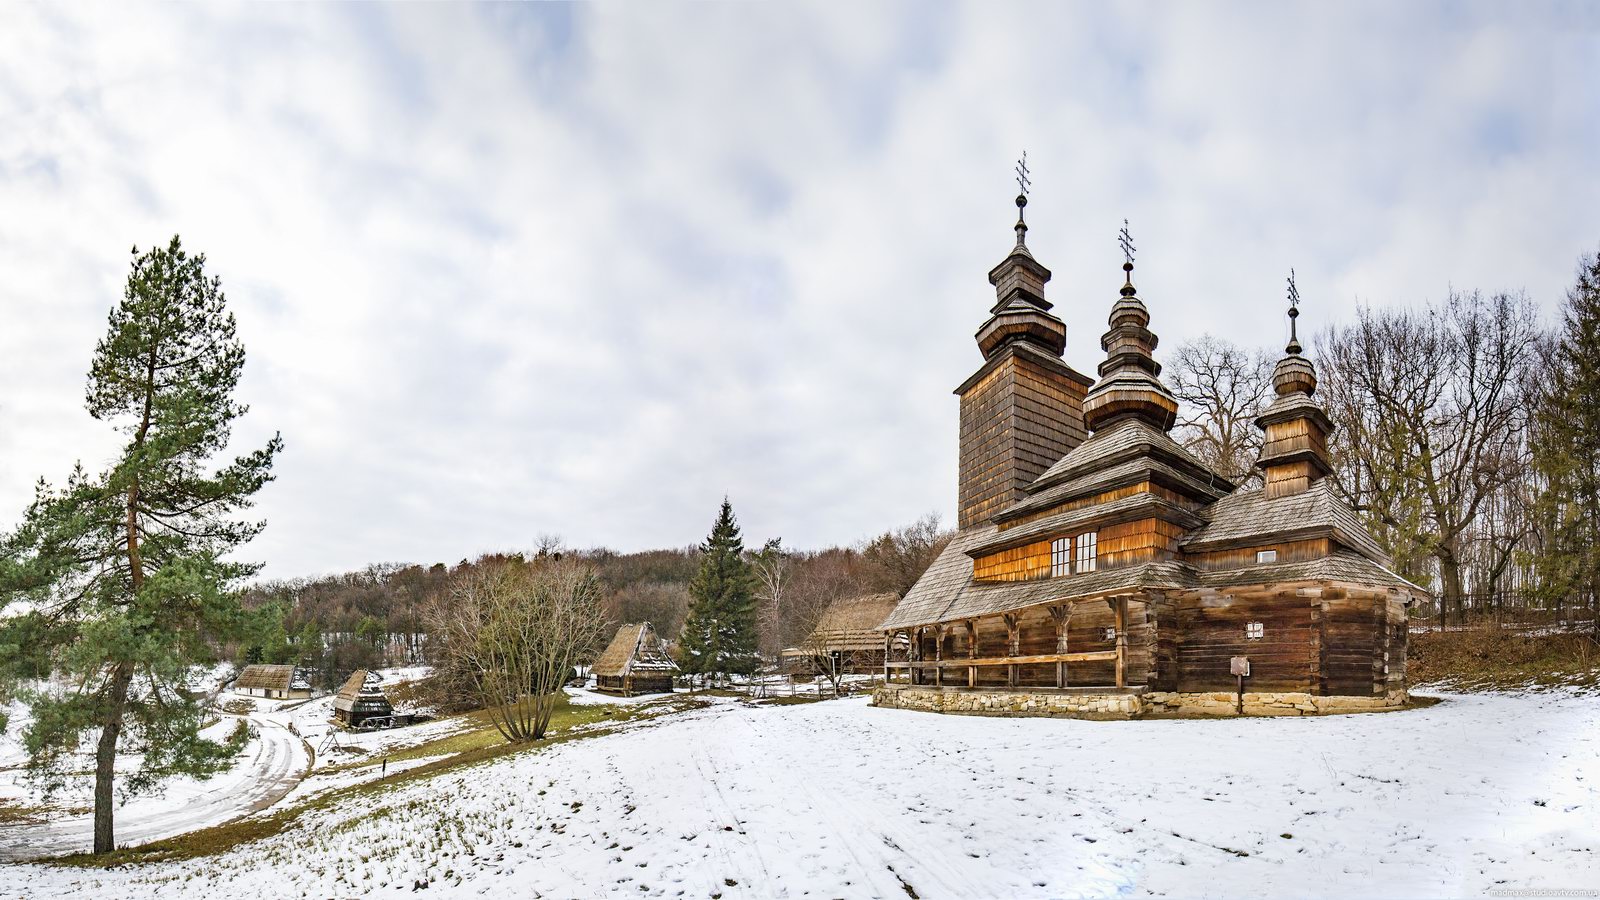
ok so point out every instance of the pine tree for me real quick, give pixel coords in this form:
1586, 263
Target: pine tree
1566, 445
116, 585
719, 636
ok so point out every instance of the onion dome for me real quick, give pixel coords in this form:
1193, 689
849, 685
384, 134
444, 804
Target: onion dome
1129, 384
1020, 312
1295, 451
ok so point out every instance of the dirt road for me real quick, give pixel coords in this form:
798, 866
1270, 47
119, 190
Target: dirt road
270, 766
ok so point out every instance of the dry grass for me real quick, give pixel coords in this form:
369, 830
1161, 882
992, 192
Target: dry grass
1495, 658
14, 813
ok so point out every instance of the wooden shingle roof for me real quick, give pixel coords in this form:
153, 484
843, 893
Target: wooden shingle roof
1123, 509
851, 624
947, 590
1119, 474
1341, 565
1250, 517
636, 648
1128, 439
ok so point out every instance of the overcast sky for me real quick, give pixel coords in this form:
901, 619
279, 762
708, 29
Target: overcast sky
511, 270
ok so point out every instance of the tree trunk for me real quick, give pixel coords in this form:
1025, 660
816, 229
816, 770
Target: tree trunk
105, 757
1450, 581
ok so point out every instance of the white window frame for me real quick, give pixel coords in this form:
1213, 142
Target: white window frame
1266, 556
1110, 634
1085, 555
1254, 631
1061, 557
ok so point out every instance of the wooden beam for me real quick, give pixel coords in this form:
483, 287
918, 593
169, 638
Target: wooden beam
972, 652
1013, 647
1122, 641
1091, 656
1061, 615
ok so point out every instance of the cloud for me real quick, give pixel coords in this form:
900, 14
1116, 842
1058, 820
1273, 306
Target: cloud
512, 270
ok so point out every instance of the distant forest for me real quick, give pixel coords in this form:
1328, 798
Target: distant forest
334, 624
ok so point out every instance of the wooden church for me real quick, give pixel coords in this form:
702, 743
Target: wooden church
1100, 570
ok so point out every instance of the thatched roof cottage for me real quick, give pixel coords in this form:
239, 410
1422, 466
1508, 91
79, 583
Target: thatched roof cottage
635, 662
361, 699
274, 682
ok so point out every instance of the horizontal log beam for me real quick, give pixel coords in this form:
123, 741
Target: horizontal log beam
958, 663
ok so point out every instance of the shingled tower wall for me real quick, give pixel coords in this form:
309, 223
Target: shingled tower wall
1023, 409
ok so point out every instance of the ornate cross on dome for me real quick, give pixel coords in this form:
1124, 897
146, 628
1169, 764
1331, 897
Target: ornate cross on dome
1125, 241
1294, 313
1023, 184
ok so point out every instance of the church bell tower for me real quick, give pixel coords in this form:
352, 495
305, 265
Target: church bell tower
1023, 409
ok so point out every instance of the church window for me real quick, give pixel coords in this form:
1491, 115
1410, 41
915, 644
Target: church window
1061, 556
1086, 552
1255, 631
1266, 556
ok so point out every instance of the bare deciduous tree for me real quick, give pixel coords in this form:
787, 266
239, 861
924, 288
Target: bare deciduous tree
896, 559
1431, 420
1222, 388
513, 630
771, 565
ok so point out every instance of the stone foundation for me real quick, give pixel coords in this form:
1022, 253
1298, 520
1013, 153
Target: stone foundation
1123, 705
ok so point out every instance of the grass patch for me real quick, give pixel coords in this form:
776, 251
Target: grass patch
1491, 658
15, 813
479, 732
788, 701
476, 746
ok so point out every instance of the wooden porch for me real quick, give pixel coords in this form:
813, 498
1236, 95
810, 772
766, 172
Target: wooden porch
963, 671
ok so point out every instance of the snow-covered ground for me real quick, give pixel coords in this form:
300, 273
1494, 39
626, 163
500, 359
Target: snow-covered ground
838, 799
287, 736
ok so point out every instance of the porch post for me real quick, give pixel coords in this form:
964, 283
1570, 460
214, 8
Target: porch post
1013, 647
972, 652
1062, 616
1122, 641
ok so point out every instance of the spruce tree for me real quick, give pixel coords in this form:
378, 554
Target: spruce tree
116, 585
1566, 448
719, 636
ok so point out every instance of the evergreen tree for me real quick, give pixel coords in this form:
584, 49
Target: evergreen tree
310, 652
268, 641
1566, 448
116, 585
719, 636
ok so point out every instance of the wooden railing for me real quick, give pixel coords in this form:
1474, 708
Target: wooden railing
962, 663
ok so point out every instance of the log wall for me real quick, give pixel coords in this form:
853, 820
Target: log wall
1318, 638
1235, 558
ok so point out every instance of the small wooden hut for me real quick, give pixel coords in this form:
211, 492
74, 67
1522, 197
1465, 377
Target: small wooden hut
273, 682
636, 662
361, 700
847, 636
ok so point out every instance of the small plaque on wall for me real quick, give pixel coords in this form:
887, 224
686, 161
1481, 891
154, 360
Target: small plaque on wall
1239, 665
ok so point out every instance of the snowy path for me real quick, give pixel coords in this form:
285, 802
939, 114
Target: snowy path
273, 763
838, 799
